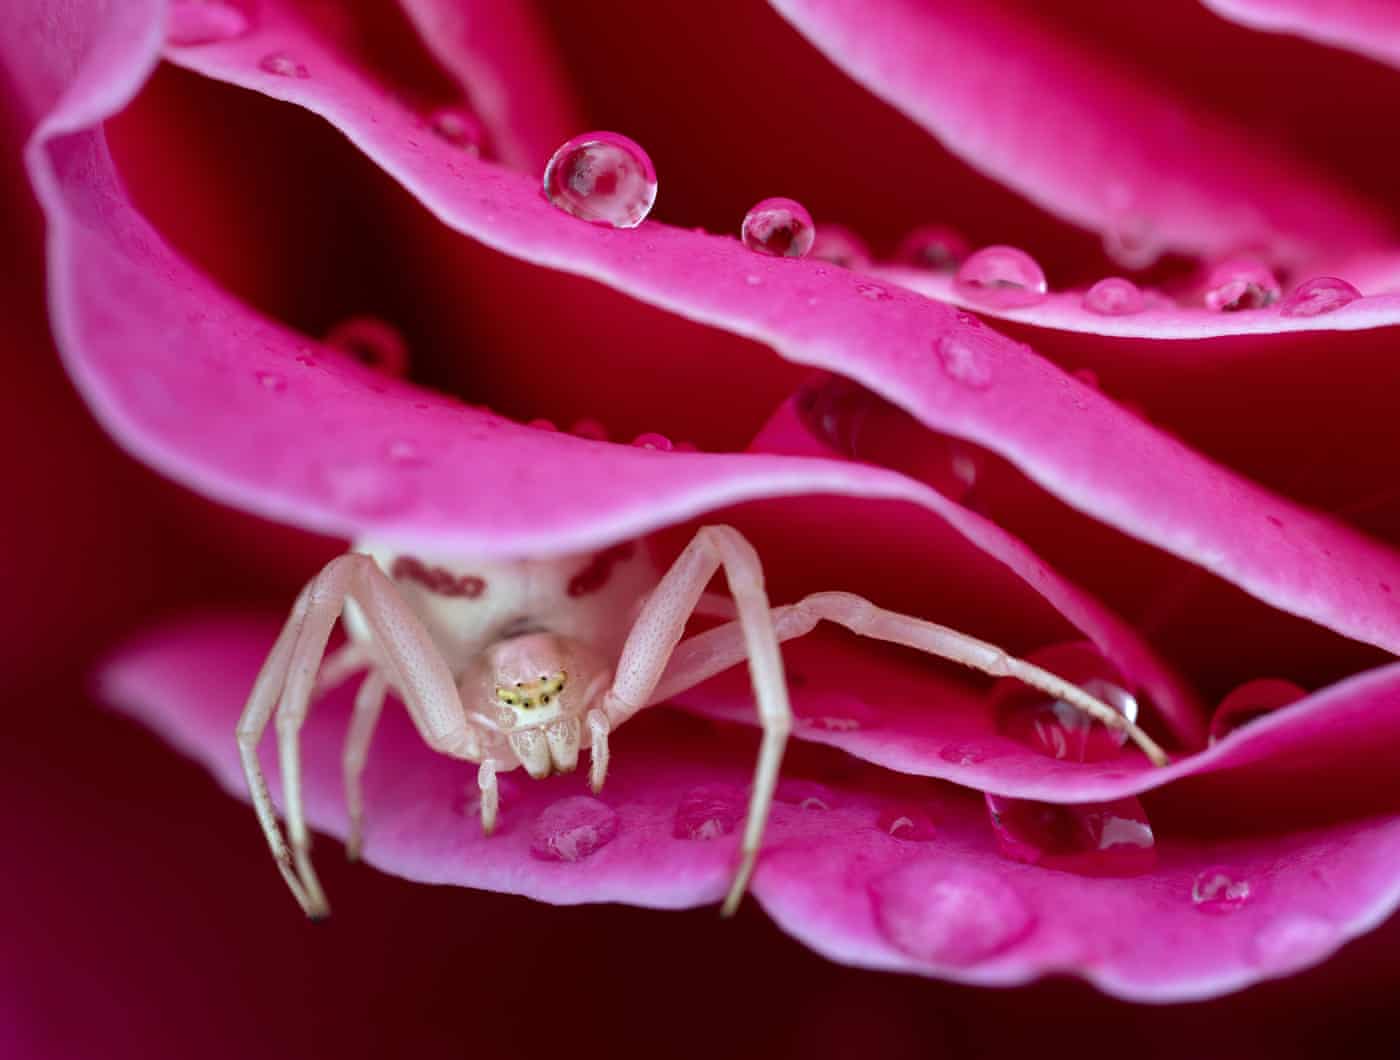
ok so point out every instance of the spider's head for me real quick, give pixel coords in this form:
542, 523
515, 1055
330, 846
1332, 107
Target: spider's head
540, 686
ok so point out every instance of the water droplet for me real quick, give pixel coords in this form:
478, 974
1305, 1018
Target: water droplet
840, 246
368, 489
1293, 942
1114, 297
964, 361
807, 794
910, 823
457, 127
834, 410
1087, 376
1218, 891
779, 227
1003, 277
1251, 701
1322, 294
204, 22
1129, 241
933, 247
573, 829
754, 280
1091, 839
708, 812
542, 425
946, 913
873, 292
272, 381
960, 755
373, 342
402, 451
1240, 283
280, 64
603, 178
1052, 726
826, 723
652, 440
590, 429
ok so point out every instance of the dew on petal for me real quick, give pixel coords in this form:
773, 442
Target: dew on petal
457, 127
936, 248
834, 410
962, 755
873, 292
280, 64
807, 794
542, 425
1293, 942
373, 342
1114, 297
271, 381
1087, 376
1001, 277
1240, 283
1054, 727
367, 489
840, 246
964, 360
1090, 839
1218, 891
708, 812
403, 452
573, 829
1251, 701
938, 911
778, 227
652, 440
603, 178
204, 22
910, 823
590, 429
1322, 294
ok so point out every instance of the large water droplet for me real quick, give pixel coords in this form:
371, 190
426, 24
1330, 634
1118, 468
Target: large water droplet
1217, 891
1114, 297
936, 248
708, 812
840, 246
280, 64
373, 342
1002, 277
1293, 942
1053, 726
1240, 283
1251, 701
945, 913
964, 360
910, 823
1091, 839
778, 227
834, 410
1322, 294
603, 178
573, 829
457, 127
204, 22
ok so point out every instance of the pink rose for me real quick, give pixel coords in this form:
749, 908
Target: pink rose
1186, 473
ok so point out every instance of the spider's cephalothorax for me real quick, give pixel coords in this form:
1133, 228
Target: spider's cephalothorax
526, 662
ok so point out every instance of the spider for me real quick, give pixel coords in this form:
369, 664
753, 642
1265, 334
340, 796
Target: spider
522, 663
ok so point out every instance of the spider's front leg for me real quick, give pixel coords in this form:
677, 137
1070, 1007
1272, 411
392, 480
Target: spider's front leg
654, 637
284, 686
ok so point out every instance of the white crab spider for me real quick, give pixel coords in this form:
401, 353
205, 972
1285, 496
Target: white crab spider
525, 662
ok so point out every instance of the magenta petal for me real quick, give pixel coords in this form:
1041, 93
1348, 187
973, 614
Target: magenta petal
1371, 27
1038, 113
840, 870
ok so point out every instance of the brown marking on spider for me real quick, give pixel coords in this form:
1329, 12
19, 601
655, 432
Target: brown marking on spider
594, 576
436, 579
521, 680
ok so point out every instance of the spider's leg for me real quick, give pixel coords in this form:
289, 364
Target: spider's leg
338, 667
369, 702
659, 628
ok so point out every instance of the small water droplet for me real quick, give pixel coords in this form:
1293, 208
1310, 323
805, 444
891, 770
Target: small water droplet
807, 794
1322, 294
1003, 277
280, 64
204, 22
603, 178
372, 342
368, 489
947, 913
457, 127
1129, 241
1087, 376
402, 451
1293, 942
964, 360
936, 248
1052, 726
873, 292
840, 246
829, 724
590, 429
1218, 891
573, 829
708, 812
1240, 283
1114, 297
652, 440
1251, 701
1091, 839
542, 425
754, 280
910, 823
272, 381
779, 227
960, 755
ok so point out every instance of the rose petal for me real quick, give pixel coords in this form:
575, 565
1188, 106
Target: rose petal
1043, 116
1371, 27
663, 835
